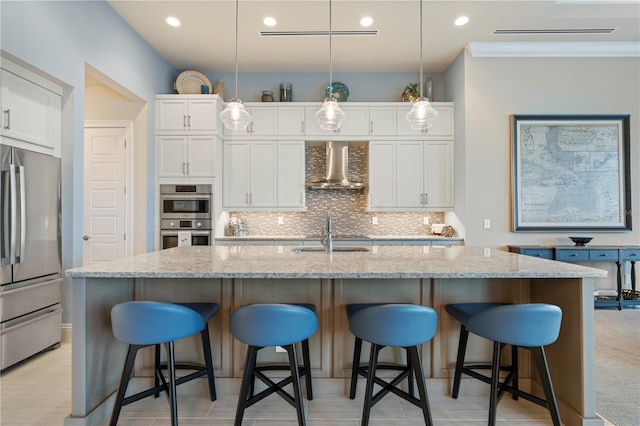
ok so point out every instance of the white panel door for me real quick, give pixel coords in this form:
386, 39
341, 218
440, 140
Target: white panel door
382, 174
171, 114
202, 116
264, 180
410, 173
201, 155
382, 121
235, 169
105, 206
291, 174
291, 121
172, 156
438, 174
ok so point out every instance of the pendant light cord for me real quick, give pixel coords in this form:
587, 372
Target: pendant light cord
330, 54
237, 49
421, 65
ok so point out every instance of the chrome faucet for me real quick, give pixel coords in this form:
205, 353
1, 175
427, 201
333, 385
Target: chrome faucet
325, 234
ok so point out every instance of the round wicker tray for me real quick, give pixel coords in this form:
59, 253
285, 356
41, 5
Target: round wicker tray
189, 82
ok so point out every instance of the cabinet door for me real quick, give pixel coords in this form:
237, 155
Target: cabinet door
382, 121
171, 115
382, 174
201, 156
236, 188
438, 174
263, 174
356, 121
30, 113
291, 121
410, 175
291, 174
264, 121
172, 156
311, 125
202, 115
442, 126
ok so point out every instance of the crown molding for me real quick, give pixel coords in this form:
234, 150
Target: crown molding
553, 49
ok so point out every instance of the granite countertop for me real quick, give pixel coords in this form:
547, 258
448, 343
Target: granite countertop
381, 262
338, 237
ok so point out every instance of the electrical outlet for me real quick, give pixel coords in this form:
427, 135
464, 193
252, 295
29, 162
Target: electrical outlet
374, 220
280, 220
487, 224
425, 220
487, 252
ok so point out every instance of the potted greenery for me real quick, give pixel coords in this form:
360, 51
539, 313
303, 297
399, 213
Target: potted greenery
410, 93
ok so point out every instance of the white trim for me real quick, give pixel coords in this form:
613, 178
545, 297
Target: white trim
129, 211
554, 49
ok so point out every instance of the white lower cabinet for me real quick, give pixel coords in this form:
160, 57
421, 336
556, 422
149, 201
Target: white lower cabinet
186, 156
410, 175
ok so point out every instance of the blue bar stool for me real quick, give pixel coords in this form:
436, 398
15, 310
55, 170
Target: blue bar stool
144, 323
304, 370
462, 312
206, 311
530, 326
362, 369
399, 325
266, 325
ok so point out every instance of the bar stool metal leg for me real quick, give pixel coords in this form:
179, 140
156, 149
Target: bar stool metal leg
414, 354
297, 391
545, 379
247, 379
171, 361
124, 381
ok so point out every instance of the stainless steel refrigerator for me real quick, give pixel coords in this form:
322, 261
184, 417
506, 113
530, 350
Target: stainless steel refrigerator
31, 273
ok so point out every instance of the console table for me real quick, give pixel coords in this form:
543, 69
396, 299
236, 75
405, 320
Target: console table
617, 254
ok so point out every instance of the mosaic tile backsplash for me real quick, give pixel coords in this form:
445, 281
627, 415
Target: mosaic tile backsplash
348, 207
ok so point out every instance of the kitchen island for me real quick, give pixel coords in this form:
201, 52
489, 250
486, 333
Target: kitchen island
236, 275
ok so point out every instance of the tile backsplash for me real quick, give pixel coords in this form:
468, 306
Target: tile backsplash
348, 207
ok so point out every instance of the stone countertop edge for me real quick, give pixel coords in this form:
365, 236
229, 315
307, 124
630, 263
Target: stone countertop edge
383, 262
367, 237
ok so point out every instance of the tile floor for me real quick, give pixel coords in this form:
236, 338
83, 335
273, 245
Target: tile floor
39, 394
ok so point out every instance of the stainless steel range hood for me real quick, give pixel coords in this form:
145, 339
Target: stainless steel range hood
337, 169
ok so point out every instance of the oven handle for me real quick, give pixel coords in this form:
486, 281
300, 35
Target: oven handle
173, 233
186, 197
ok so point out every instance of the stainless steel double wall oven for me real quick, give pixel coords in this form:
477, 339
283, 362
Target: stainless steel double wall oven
186, 210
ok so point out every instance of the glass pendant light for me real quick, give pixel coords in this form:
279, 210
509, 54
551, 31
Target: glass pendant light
422, 114
330, 116
235, 116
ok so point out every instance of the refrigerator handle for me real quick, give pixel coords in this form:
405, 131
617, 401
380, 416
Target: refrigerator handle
12, 214
23, 216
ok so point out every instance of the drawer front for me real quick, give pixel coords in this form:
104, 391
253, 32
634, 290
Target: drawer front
572, 255
606, 255
543, 253
631, 254
23, 300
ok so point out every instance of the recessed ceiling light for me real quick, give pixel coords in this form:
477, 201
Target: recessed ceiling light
269, 21
174, 22
366, 21
462, 20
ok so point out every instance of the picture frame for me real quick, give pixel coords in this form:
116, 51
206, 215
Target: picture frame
571, 173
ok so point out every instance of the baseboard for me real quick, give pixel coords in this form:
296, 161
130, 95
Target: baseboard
66, 333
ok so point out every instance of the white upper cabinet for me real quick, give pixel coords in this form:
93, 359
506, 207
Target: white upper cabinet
382, 121
356, 122
264, 122
291, 174
442, 126
291, 121
250, 174
186, 114
410, 175
31, 112
181, 156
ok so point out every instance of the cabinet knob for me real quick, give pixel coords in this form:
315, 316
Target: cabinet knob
86, 237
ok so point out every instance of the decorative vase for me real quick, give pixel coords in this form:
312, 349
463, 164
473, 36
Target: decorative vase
428, 89
218, 89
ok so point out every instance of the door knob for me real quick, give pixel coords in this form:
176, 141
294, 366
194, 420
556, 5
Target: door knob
86, 237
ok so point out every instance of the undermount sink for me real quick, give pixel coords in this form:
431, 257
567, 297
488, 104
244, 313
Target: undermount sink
339, 248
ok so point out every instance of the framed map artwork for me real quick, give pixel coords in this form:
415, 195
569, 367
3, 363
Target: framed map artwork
571, 173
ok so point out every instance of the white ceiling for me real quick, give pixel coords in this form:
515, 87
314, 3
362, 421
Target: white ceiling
206, 39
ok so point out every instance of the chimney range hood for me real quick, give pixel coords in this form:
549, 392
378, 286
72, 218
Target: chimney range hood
337, 168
